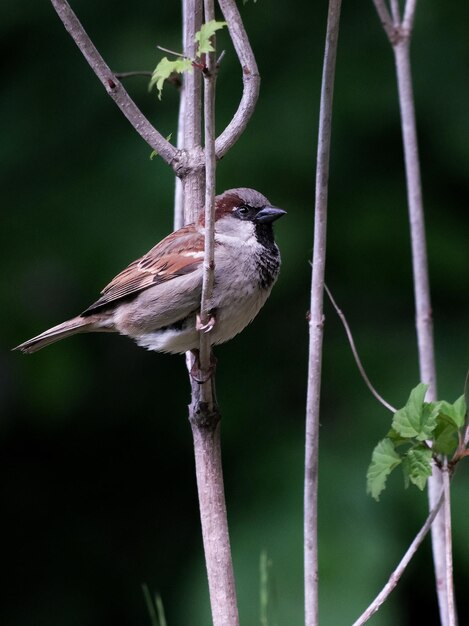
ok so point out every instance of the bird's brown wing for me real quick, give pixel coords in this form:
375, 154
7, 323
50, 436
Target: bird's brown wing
180, 253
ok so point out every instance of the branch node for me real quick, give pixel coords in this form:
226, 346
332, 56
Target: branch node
203, 417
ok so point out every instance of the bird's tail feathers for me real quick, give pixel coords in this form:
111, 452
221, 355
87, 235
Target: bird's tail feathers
66, 329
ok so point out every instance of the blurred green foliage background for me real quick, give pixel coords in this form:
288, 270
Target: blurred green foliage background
97, 480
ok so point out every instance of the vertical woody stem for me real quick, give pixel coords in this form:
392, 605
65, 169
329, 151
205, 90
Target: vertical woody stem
204, 415
316, 324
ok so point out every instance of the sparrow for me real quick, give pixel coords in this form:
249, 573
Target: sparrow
156, 299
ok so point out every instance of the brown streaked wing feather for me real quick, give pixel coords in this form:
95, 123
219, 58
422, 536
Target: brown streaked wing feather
178, 254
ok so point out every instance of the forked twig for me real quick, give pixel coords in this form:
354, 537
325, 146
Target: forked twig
358, 362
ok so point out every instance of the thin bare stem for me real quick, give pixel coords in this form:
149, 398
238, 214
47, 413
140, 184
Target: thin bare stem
112, 85
397, 573
416, 217
316, 323
356, 356
176, 54
452, 617
409, 15
400, 41
423, 310
193, 178
210, 168
134, 73
395, 10
251, 78
385, 17
204, 415
178, 221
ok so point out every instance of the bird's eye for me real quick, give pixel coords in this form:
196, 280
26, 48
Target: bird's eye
243, 211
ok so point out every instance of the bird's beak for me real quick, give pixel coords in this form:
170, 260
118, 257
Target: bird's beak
269, 214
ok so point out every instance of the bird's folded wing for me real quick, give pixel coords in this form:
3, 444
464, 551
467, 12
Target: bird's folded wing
179, 254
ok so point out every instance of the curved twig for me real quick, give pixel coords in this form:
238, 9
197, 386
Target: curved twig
358, 362
397, 573
251, 79
112, 85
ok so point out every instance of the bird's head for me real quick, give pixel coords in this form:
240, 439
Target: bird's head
245, 212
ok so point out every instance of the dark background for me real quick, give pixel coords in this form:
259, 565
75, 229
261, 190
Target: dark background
97, 481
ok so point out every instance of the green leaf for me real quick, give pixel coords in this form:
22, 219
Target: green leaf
455, 412
418, 418
205, 34
445, 438
164, 69
396, 438
383, 460
417, 466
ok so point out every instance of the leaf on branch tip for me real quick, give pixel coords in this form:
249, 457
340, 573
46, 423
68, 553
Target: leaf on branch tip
383, 460
163, 71
203, 36
456, 412
417, 419
417, 467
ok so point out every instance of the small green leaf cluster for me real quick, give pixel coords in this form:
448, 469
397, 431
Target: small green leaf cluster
163, 71
165, 67
204, 36
419, 431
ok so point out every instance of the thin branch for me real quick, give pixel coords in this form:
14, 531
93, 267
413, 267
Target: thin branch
210, 167
358, 362
203, 412
251, 78
400, 42
134, 73
316, 323
397, 573
452, 618
178, 221
395, 10
385, 17
176, 54
112, 85
409, 15
193, 178
423, 309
